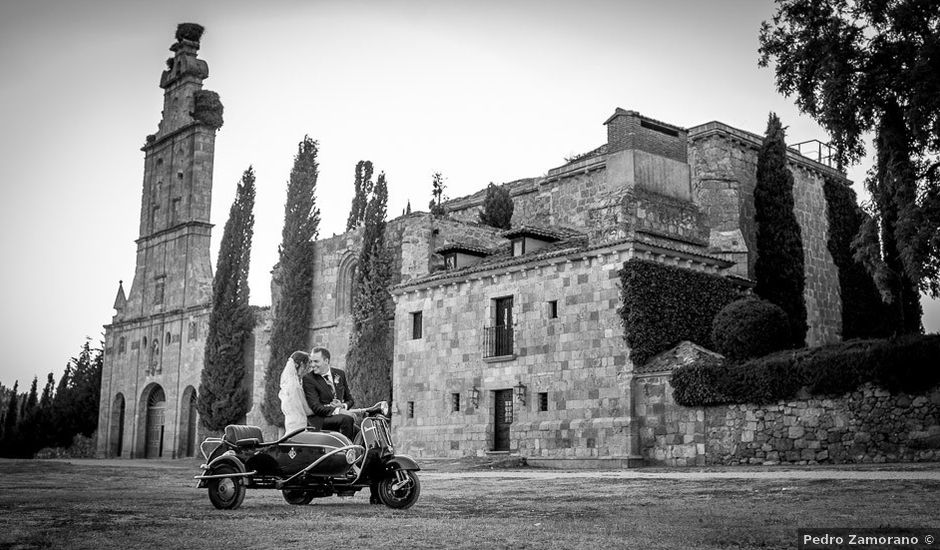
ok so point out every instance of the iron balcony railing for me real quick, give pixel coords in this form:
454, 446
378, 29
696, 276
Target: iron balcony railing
497, 341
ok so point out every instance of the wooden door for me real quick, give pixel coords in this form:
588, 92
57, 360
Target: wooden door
502, 419
156, 415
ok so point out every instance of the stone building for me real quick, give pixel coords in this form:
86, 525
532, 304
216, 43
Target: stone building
154, 344
505, 341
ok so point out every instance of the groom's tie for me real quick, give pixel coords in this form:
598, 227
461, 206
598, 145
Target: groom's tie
330, 382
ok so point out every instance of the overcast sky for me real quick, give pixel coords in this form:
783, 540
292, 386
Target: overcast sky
481, 91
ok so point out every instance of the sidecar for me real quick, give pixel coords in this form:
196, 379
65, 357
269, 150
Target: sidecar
306, 464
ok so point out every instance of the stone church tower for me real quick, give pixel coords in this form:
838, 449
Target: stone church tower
154, 344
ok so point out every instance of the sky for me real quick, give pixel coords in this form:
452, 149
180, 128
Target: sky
482, 91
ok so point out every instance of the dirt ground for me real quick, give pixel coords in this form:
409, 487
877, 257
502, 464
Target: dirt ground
464, 504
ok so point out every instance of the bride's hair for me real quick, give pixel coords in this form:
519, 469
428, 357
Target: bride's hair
300, 358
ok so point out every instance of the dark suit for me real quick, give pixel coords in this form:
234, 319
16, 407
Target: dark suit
319, 395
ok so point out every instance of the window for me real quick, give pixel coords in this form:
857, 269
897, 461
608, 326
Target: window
518, 247
417, 325
455, 402
450, 261
411, 409
175, 211
169, 338
193, 330
122, 345
498, 337
553, 309
158, 291
543, 401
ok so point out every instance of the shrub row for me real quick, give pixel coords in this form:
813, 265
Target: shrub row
907, 364
663, 305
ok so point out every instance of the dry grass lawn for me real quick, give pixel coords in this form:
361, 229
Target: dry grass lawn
45, 504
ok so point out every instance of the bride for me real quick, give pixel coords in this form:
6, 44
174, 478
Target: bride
293, 403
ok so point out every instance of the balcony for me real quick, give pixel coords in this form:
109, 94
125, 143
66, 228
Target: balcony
498, 343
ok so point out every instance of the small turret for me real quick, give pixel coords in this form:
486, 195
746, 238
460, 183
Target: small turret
120, 301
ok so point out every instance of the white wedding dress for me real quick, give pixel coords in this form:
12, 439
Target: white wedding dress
293, 403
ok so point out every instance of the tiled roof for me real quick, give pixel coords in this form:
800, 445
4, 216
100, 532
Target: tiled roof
554, 233
460, 247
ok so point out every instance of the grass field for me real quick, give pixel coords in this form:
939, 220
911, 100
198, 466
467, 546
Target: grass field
140, 504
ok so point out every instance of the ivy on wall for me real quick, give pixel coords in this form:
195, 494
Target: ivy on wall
663, 305
907, 364
863, 313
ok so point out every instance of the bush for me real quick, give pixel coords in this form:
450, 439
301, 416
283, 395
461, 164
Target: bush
189, 31
82, 446
750, 327
907, 364
208, 108
663, 305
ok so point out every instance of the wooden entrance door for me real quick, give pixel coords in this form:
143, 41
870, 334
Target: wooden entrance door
502, 419
156, 415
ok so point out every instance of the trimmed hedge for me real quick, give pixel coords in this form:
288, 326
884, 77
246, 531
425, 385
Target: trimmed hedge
907, 364
750, 327
663, 305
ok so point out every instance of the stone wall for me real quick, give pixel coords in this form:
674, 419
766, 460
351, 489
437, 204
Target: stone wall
867, 425
724, 174
578, 360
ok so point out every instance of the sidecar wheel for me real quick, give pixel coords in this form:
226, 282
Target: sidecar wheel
298, 497
409, 488
226, 493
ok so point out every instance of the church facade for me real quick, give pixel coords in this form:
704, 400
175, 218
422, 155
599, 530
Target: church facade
505, 341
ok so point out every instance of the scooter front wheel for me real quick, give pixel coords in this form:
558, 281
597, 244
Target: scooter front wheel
399, 491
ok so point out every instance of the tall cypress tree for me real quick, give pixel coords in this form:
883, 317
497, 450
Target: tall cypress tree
437, 195
363, 185
293, 310
369, 359
779, 268
224, 398
497, 207
880, 242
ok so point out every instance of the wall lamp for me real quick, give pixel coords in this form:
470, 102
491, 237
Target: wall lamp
519, 390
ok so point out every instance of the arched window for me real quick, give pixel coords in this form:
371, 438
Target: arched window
346, 285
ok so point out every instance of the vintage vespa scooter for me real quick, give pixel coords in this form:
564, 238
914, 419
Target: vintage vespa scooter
307, 463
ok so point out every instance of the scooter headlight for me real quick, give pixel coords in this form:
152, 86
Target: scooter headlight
351, 456
384, 408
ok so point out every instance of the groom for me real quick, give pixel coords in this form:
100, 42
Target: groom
327, 393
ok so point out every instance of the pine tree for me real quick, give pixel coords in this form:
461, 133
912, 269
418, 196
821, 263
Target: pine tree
369, 359
8, 446
363, 185
293, 310
497, 207
437, 195
224, 398
779, 266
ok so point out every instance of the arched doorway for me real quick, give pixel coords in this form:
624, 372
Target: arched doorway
156, 414
188, 423
117, 427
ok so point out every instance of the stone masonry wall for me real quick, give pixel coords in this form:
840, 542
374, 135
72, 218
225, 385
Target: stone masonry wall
867, 425
579, 360
724, 174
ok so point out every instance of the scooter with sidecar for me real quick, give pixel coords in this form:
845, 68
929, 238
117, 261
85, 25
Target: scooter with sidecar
308, 463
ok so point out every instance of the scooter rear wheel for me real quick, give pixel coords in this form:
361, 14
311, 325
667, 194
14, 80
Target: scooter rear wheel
226, 493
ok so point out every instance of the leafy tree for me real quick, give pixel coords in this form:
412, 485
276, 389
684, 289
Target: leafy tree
857, 66
779, 266
84, 391
369, 359
437, 195
293, 310
224, 398
363, 185
497, 207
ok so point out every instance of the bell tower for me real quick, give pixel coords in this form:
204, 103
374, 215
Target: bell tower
155, 343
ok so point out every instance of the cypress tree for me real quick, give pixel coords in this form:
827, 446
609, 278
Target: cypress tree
363, 186
86, 391
32, 398
224, 397
369, 359
437, 195
880, 244
293, 310
779, 269
497, 207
